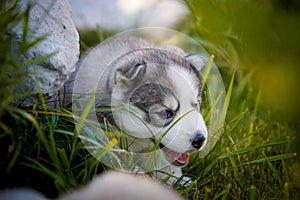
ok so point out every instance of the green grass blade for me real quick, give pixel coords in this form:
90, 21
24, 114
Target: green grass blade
253, 191
64, 158
52, 150
81, 121
227, 100
235, 168
40, 167
15, 156
158, 141
251, 149
85, 112
273, 158
207, 70
38, 60
101, 152
212, 108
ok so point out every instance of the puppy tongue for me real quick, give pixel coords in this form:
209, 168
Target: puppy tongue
178, 158
183, 159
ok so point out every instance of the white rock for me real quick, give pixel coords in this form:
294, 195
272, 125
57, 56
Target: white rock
52, 18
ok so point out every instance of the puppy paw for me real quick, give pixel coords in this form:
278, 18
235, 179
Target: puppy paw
186, 181
182, 181
172, 175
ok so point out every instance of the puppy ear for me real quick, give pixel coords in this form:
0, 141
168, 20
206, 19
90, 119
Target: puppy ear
198, 61
130, 76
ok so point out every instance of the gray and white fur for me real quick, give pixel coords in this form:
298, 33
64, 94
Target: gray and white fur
154, 88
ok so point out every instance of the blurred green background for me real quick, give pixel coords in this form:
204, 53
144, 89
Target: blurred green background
265, 36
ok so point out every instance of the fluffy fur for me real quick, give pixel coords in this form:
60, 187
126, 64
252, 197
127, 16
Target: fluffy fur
154, 93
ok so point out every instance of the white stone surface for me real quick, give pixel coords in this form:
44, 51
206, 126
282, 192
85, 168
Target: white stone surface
118, 15
54, 19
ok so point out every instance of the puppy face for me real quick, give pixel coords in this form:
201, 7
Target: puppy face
157, 96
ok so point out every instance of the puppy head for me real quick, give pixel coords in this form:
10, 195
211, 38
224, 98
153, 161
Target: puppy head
157, 96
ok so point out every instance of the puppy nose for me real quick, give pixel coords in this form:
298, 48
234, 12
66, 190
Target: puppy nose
198, 141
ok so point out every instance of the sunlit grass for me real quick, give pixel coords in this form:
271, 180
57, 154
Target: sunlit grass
254, 158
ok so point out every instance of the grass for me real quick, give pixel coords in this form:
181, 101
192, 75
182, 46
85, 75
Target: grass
254, 158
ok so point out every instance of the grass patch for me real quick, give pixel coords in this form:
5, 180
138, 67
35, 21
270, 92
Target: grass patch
255, 157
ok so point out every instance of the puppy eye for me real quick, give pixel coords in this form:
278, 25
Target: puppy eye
139, 63
165, 114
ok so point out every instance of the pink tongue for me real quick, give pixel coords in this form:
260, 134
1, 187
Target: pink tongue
183, 159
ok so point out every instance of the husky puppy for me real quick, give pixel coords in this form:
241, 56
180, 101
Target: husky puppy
154, 93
